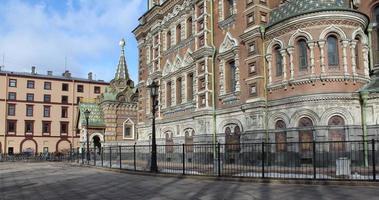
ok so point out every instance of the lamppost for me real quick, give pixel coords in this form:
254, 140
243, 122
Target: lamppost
86, 114
154, 94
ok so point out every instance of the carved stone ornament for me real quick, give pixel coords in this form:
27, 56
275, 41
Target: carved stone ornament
228, 43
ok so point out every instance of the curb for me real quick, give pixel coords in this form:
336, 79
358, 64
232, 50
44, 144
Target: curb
236, 179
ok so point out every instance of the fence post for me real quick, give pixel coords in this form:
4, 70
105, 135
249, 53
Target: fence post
77, 154
102, 156
373, 161
134, 157
218, 159
119, 149
314, 160
263, 159
82, 156
183, 159
110, 157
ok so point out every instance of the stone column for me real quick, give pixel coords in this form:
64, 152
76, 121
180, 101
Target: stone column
321, 44
311, 46
269, 60
365, 51
290, 52
283, 52
237, 74
344, 56
353, 45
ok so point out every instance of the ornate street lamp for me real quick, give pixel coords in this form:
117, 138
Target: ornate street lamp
154, 95
86, 114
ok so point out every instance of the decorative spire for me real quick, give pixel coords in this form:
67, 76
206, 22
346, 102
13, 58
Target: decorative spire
122, 69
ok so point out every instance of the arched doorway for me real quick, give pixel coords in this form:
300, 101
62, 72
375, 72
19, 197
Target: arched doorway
280, 136
96, 141
337, 133
188, 140
28, 146
63, 146
232, 142
169, 148
305, 135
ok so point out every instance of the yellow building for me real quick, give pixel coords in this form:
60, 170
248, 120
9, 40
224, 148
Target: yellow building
37, 111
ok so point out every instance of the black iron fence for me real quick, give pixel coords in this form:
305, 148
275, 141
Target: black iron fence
345, 160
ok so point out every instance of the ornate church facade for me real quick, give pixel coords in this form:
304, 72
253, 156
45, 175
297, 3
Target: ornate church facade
234, 71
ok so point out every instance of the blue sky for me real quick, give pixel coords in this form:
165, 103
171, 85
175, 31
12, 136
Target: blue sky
86, 32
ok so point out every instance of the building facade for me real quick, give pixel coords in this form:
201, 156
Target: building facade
113, 114
38, 110
234, 71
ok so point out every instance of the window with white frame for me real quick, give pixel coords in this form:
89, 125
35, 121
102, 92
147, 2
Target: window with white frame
128, 129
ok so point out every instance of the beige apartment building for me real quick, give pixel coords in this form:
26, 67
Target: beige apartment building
38, 111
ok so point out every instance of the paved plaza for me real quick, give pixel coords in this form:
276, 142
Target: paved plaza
39, 181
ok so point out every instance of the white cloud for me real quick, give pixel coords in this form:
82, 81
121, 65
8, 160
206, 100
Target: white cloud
84, 31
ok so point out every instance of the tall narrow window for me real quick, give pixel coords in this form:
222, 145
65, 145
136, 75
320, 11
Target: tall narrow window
168, 94
168, 39
332, 51
229, 8
179, 91
376, 17
303, 54
232, 76
189, 27
178, 34
190, 87
358, 50
278, 61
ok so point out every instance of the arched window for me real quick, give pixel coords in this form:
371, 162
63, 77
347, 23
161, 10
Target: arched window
305, 134
358, 53
178, 33
278, 61
128, 129
190, 87
337, 133
332, 43
168, 39
280, 136
303, 54
189, 27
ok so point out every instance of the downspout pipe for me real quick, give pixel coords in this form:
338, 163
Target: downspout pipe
262, 30
213, 76
363, 100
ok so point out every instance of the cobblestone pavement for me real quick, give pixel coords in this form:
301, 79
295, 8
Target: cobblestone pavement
39, 181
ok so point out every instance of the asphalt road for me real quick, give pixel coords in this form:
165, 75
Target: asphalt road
40, 181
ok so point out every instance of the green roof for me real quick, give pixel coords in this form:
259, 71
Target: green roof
293, 8
96, 117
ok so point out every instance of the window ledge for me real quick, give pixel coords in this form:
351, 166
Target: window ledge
230, 98
227, 22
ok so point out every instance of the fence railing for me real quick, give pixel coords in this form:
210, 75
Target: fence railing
345, 160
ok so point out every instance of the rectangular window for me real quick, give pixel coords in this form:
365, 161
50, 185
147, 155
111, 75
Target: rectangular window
127, 131
202, 66
252, 68
64, 128
30, 84
47, 98
97, 90
201, 41
250, 19
263, 17
29, 110
252, 49
179, 91
12, 83
202, 83
201, 25
29, 127
190, 87
29, 97
46, 127
253, 90
11, 127
11, 95
65, 87
11, 109
229, 8
80, 88
47, 85
200, 8
168, 89
64, 113
65, 99
46, 111
249, 3
202, 101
